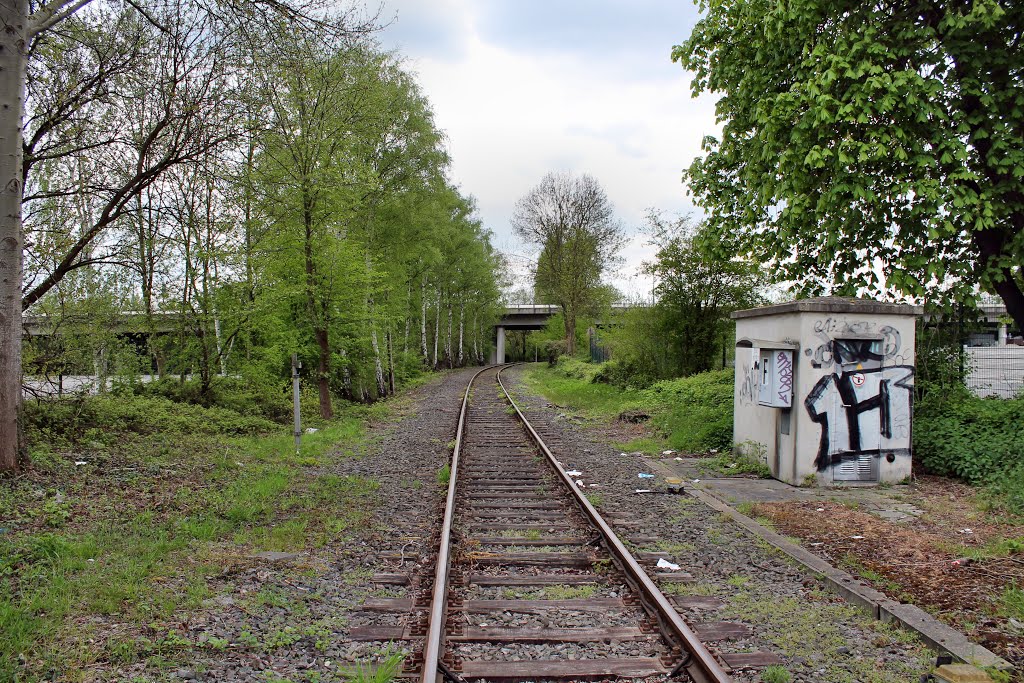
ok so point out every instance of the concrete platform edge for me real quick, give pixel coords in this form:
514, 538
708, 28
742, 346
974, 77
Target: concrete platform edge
856, 591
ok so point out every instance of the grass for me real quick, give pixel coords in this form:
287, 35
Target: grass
386, 668
550, 593
775, 674
813, 631
1012, 603
134, 535
689, 414
733, 464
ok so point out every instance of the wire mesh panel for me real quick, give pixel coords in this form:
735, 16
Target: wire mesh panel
996, 370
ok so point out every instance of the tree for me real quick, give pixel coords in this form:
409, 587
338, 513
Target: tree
696, 289
867, 145
571, 220
185, 25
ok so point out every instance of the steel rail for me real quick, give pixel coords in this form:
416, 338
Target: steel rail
698, 661
439, 601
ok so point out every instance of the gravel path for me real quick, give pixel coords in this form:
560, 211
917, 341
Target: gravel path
818, 636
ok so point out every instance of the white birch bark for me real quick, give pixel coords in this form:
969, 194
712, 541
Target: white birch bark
423, 319
462, 329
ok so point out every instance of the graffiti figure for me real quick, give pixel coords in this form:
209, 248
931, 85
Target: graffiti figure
824, 357
863, 409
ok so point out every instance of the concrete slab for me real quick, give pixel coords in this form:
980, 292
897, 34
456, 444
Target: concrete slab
887, 502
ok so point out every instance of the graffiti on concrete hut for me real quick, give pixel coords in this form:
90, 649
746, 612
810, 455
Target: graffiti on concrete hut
862, 412
837, 333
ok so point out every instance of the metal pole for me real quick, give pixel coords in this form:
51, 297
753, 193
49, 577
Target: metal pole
296, 366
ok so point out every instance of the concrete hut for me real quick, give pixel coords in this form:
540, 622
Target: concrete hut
825, 388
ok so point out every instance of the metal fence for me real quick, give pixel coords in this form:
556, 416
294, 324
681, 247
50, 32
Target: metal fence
995, 370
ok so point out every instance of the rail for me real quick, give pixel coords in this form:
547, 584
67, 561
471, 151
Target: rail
697, 661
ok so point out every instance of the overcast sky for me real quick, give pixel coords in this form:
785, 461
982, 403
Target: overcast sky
523, 87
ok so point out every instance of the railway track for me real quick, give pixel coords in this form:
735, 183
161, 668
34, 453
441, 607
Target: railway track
531, 583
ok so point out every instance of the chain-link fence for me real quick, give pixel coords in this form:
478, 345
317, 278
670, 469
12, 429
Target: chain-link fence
995, 370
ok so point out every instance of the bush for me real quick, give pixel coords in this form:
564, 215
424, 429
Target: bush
270, 398
627, 373
577, 368
98, 416
696, 411
976, 439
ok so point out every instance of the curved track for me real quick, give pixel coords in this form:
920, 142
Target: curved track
531, 583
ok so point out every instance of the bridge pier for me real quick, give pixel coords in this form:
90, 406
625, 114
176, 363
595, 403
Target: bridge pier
498, 355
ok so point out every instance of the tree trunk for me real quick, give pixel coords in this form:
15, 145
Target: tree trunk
13, 18
346, 376
476, 341
378, 368
570, 329
437, 326
319, 318
423, 320
391, 361
448, 337
462, 330
323, 373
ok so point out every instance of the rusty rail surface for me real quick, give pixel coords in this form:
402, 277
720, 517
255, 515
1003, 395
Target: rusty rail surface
435, 633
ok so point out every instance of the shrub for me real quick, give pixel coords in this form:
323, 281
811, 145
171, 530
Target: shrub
97, 417
976, 439
695, 411
577, 368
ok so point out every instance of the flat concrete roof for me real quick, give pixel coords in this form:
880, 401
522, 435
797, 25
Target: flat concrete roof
831, 304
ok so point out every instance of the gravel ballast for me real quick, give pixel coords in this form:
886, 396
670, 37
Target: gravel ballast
817, 635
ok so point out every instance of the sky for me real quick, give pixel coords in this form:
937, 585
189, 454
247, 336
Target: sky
522, 87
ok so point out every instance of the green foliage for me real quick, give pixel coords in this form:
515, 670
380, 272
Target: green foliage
855, 134
694, 412
775, 673
385, 669
80, 418
444, 474
971, 438
688, 326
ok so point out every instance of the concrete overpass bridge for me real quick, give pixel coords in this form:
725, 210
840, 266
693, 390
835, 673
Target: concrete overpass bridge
526, 317
521, 317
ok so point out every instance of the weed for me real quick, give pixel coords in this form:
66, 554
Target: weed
56, 512
738, 580
384, 670
596, 499
775, 674
746, 508
674, 547
218, 644
1012, 602
444, 474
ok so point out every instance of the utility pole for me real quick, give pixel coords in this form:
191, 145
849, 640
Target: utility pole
296, 366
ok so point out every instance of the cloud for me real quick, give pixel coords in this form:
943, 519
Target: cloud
525, 88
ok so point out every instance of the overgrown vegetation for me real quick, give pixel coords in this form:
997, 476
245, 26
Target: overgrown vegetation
134, 503
692, 414
958, 434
